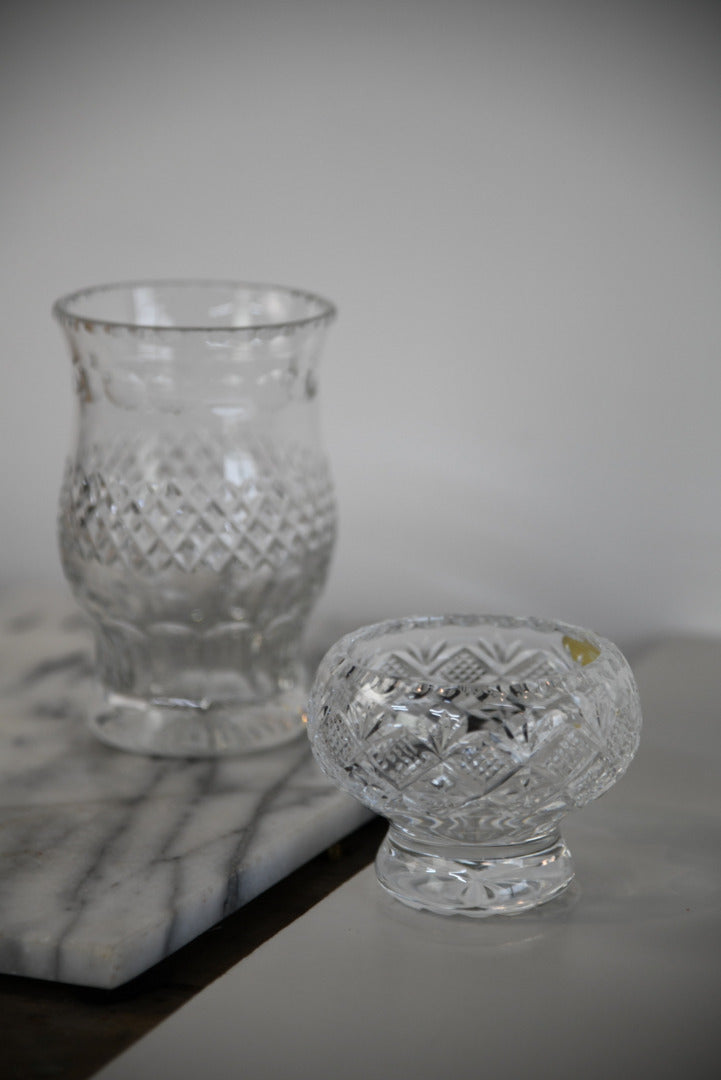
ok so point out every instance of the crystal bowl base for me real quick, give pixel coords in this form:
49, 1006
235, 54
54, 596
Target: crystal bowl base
191, 731
470, 879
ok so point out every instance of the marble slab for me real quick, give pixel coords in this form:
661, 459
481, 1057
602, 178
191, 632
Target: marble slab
110, 861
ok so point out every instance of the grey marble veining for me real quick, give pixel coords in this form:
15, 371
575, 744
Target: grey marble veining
111, 861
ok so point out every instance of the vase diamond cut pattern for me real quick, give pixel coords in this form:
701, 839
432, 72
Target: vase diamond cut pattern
182, 504
197, 515
472, 734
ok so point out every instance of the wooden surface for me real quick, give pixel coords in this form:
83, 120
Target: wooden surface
59, 1032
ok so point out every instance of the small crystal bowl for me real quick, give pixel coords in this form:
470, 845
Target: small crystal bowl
474, 736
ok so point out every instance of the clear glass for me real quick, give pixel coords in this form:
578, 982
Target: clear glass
474, 736
197, 515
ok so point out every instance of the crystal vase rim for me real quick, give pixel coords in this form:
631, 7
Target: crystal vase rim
61, 309
343, 650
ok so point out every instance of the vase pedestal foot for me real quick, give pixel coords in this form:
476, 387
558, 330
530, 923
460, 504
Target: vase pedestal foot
194, 731
473, 879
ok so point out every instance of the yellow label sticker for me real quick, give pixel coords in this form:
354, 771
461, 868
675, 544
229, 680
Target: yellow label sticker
583, 652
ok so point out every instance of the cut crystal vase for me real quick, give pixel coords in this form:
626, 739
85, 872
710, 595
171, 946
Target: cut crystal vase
197, 514
474, 736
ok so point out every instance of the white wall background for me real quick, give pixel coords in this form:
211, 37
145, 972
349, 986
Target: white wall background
516, 207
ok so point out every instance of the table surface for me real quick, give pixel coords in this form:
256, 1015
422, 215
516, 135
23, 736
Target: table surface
619, 976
